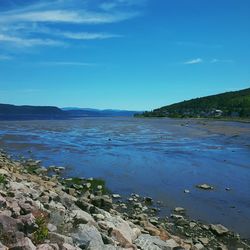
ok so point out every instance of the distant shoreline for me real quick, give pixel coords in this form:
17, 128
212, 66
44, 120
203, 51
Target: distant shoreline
244, 120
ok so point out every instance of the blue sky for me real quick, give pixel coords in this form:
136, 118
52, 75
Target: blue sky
124, 54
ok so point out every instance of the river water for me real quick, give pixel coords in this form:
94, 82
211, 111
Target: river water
153, 157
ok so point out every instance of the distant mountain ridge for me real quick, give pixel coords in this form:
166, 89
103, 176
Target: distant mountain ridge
88, 112
229, 104
9, 111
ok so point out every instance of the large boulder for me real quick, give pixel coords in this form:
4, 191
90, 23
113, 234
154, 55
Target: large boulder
67, 246
81, 217
9, 224
95, 246
148, 242
48, 247
104, 202
13, 206
2, 247
29, 222
59, 239
219, 229
24, 244
121, 231
85, 233
18, 186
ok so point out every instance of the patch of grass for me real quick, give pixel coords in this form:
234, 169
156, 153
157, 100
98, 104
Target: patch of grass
42, 232
31, 169
79, 182
98, 182
3, 180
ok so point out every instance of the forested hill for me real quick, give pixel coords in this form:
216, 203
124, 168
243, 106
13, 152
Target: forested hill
229, 104
8, 111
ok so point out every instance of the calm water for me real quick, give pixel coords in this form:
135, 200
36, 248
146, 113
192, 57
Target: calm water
155, 157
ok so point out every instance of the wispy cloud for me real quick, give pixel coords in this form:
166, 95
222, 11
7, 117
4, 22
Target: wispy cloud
27, 26
88, 35
109, 5
212, 61
194, 61
66, 16
18, 41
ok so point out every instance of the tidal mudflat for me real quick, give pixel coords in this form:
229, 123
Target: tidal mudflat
153, 157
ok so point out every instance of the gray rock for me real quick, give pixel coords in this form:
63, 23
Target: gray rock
93, 246
57, 206
2, 247
87, 185
99, 216
116, 196
121, 230
205, 187
86, 233
103, 202
192, 224
147, 242
24, 244
52, 227
9, 224
81, 217
179, 209
60, 239
204, 240
171, 244
48, 247
4, 172
84, 205
2, 202
177, 217
67, 246
29, 222
198, 246
219, 229
18, 186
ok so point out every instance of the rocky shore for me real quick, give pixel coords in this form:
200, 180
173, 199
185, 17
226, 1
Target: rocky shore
39, 209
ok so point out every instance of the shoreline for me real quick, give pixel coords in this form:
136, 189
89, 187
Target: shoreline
225, 119
119, 223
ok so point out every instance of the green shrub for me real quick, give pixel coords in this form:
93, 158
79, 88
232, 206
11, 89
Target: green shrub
41, 234
3, 180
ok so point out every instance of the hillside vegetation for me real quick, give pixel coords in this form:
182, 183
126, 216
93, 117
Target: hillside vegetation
229, 104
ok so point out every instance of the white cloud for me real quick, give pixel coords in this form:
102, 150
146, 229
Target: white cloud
66, 16
109, 5
26, 42
37, 24
88, 36
194, 61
